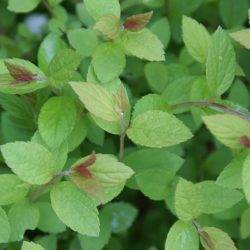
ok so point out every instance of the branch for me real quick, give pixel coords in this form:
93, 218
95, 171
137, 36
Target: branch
214, 106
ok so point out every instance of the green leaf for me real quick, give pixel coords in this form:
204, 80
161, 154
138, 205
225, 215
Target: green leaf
242, 37
157, 76
149, 102
84, 41
56, 120
221, 63
31, 246
54, 2
5, 227
230, 177
75, 208
108, 61
100, 8
216, 239
182, 235
196, 39
98, 243
188, 200
244, 224
22, 216
143, 44
229, 129
122, 215
97, 100
8, 87
155, 183
246, 178
233, 13
158, 129
22, 7
30, 161
12, 189
62, 67
49, 47
49, 242
48, 221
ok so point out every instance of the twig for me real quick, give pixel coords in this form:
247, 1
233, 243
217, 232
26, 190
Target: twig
214, 106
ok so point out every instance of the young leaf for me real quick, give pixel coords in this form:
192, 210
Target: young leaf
137, 22
221, 63
143, 44
62, 67
182, 235
30, 161
242, 37
22, 7
56, 120
158, 129
5, 227
69, 202
97, 100
108, 61
196, 39
12, 189
22, 216
84, 41
233, 13
231, 130
215, 239
100, 8
31, 246
48, 220
108, 26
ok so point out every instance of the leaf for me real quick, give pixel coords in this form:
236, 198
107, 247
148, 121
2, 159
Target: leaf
22, 216
122, 215
242, 37
5, 227
75, 209
188, 200
49, 47
158, 129
100, 8
108, 26
221, 63
155, 183
22, 7
56, 120
157, 76
48, 221
182, 235
229, 129
84, 41
143, 44
62, 67
233, 13
12, 189
98, 243
31, 246
196, 39
30, 161
108, 61
246, 178
7, 85
49, 242
97, 100
244, 224
216, 239
137, 22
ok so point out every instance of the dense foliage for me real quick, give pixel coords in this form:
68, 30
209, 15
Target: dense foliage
124, 124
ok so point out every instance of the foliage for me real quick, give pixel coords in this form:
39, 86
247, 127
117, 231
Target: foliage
124, 124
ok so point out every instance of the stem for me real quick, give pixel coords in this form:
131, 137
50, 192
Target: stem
121, 151
214, 106
47, 6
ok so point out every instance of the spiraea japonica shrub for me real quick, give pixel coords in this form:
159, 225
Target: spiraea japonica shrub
124, 124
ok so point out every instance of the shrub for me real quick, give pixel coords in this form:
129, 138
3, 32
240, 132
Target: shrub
124, 124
